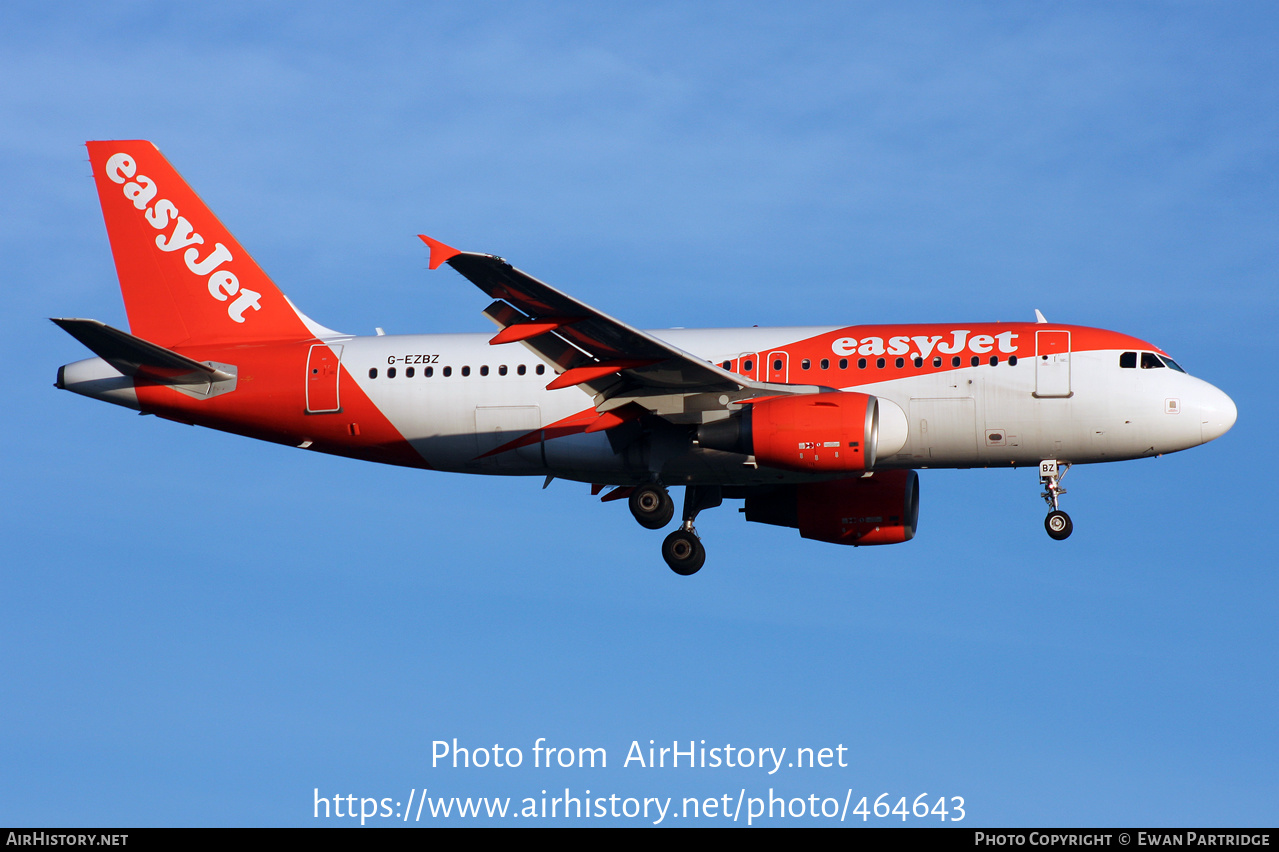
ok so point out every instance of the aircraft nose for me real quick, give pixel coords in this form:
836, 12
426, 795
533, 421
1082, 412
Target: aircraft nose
1217, 414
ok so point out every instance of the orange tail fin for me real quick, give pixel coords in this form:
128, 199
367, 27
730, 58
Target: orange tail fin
185, 279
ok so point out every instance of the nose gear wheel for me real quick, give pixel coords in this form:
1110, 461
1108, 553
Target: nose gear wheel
1058, 525
1051, 473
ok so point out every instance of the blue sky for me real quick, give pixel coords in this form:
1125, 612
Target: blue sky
200, 629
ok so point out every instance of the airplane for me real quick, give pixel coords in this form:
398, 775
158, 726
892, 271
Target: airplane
818, 429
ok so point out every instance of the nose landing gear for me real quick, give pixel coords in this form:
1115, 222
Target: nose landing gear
1051, 473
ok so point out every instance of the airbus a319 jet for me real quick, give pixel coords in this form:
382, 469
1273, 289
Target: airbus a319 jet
819, 429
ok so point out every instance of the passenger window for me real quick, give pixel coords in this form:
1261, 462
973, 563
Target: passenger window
919, 362
1128, 360
994, 360
879, 362
1012, 360
804, 365
900, 362
521, 369
861, 363
428, 372
484, 370
937, 361
825, 363
501, 370
727, 364
390, 372
541, 368
975, 360
466, 371
843, 363
954, 362
448, 371
777, 364
372, 372
408, 373
748, 365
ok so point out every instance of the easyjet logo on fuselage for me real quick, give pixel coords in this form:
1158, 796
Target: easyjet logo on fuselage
958, 341
222, 283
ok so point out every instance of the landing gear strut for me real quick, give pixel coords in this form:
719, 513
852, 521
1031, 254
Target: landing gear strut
682, 549
1051, 473
652, 506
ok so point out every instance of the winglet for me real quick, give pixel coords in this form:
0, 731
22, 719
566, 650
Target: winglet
440, 253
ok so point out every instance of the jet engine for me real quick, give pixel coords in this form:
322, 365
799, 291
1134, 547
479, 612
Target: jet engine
882, 508
833, 432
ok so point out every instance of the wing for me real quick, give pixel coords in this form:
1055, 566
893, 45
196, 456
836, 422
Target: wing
622, 366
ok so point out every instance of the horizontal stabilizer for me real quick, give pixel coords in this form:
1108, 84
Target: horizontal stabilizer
140, 358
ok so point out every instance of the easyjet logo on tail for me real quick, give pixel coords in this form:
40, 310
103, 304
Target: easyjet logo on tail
222, 283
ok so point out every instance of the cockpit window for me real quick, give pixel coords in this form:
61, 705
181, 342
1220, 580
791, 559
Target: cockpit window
1149, 361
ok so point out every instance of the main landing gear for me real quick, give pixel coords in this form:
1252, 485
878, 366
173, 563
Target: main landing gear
684, 552
1051, 473
653, 507
682, 549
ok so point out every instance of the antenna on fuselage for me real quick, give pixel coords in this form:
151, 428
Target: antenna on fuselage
1039, 318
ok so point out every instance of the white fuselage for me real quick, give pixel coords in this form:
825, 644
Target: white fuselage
964, 417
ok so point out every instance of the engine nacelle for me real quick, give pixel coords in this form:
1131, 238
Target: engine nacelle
826, 432
882, 508
835, 432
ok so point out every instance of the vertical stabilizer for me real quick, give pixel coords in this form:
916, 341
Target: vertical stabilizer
185, 279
